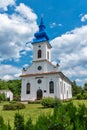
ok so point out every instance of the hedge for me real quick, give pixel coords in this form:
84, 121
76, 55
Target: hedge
13, 106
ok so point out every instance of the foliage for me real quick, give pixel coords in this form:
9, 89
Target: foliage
29, 124
42, 122
9, 127
85, 86
76, 89
13, 106
50, 102
65, 117
2, 125
81, 96
2, 97
19, 122
13, 85
34, 102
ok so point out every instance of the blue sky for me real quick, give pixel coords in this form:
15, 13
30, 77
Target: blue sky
66, 26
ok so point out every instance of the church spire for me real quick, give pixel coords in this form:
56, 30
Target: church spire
42, 26
41, 35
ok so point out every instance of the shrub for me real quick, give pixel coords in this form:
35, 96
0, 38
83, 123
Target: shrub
2, 125
50, 102
82, 95
13, 106
2, 97
29, 125
34, 102
85, 95
79, 96
12, 101
19, 122
42, 122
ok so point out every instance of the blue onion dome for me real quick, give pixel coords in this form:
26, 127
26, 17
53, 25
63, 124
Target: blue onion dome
41, 35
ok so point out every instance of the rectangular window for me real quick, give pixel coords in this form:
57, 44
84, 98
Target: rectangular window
48, 55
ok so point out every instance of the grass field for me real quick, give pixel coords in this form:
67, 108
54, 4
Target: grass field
77, 102
31, 110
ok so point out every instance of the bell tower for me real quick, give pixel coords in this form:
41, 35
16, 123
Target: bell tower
41, 46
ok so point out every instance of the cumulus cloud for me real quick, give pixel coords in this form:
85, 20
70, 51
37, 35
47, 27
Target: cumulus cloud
15, 30
84, 18
71, 49
5, 3
8, 72
26, 12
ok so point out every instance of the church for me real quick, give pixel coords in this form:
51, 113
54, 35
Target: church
42, 78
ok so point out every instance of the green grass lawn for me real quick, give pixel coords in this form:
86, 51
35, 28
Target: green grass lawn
31, 110
77, 102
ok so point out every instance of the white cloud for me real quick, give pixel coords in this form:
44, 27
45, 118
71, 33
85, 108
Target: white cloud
84, 18
52, 25
78, 80
59, 24
8, 72
26, 12
54, 62
7, 77
71, 50
15, 31
5, 3
25, 65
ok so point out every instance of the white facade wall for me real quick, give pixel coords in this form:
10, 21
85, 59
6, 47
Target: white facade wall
44, 86
59, 91
65, 89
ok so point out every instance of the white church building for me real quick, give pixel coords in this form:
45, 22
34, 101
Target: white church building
42, 78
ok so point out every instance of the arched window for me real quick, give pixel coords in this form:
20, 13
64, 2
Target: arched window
51, 87
28, 88
39, 53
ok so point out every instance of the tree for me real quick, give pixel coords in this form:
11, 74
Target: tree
85, 86
76, 89
13, 85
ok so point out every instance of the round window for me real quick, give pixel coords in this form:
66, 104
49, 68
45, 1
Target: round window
39, 67
39, 81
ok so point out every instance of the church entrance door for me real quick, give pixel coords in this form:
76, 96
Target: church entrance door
39, 94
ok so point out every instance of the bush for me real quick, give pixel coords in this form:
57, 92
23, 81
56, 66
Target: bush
79, 96
2, 97
66, 116
50, 102
82, 95
34, 102
13, 106
2, 125
29, 125
85, 95
19, 122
